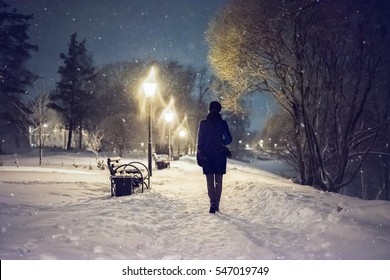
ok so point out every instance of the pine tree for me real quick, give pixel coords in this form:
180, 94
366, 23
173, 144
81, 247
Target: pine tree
71, 98
14, 52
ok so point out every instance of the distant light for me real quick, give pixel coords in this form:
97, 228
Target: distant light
169, 116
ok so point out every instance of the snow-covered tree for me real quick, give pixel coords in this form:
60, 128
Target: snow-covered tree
202, 97
119, 100
94, 143
37, 119
322, 61
71, 98
115, 106
15, 50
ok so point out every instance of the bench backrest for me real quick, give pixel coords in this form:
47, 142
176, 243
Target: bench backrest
113, 163
135, 167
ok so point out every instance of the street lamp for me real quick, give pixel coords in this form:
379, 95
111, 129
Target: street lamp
182, 134
169, 119
150, 87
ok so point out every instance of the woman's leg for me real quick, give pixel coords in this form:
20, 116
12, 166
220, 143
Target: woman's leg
218, 189
212, 192
211, 187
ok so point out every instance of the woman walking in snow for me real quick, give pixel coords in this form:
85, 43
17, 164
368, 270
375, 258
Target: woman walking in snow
213, 135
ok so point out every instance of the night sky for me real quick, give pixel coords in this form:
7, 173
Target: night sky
118, 30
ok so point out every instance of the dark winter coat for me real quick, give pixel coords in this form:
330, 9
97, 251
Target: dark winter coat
213, 134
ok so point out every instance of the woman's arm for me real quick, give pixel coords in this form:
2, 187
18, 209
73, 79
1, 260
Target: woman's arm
227, 137
201, 136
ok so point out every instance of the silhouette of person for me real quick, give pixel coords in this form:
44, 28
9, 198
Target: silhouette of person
213, 135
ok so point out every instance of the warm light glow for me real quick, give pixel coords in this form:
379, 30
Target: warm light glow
183, 129
150, 89
150, 84
167, 119
169, 116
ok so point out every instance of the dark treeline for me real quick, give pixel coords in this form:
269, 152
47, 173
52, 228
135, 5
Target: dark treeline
15, 50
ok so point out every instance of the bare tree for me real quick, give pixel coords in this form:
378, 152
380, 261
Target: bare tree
121, 133
36, 118
202, 96
322, 61
94, 143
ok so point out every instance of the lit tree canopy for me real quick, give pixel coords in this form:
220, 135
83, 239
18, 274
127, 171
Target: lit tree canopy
323, 61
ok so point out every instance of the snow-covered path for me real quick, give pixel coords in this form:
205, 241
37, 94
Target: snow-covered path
67, 213
191, 231
264, 216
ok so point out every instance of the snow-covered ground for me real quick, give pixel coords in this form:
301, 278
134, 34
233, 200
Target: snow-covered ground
64, 210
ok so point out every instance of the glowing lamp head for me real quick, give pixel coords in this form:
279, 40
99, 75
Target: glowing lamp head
169, 117
150, 89
150, 85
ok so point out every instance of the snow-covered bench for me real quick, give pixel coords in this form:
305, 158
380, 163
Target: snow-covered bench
127, 177
162, 161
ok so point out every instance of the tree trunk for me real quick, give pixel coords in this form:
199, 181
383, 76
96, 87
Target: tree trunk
81, 135
40, 144
69, 144
386, 181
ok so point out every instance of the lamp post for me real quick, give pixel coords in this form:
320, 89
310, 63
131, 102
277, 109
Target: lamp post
150, 88
169, 118
182, 134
